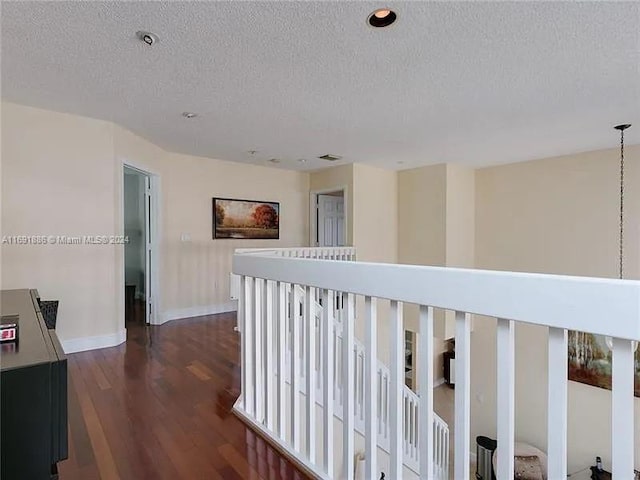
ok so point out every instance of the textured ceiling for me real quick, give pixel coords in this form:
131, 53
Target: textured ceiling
477, 83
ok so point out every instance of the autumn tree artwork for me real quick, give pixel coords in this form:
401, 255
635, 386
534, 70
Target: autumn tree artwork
590, 361
245, 219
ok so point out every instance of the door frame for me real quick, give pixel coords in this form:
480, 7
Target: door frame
313, 213
155, 229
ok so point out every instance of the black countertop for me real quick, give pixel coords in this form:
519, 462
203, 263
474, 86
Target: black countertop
34, 345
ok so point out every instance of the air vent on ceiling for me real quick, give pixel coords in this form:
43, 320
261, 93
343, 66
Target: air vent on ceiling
330, 158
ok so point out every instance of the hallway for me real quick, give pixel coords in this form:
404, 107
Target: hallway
164, 411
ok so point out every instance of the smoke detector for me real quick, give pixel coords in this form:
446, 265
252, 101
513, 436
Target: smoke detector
330, 158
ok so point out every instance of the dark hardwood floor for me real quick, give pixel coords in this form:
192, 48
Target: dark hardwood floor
159, 407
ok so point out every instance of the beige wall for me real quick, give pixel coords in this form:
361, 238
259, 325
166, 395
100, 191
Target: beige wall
375, 207
58, 175
436, 216
422, 210
62, 174
460, 218
557, 215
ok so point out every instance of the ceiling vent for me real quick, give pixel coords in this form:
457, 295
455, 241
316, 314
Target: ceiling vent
330, 158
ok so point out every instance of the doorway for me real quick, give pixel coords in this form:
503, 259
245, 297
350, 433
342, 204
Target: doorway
137, 216
329, 222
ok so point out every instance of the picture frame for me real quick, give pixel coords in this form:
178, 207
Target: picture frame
241, 219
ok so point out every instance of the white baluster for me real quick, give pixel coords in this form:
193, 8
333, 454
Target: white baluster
395, 390
348, 393
370, 384
268, 326
295, 369
249, 360
258, 368
309, 321
242, 318
282, 345
437, 452
445, 461
622, 414
462, 395
328, 361
426, 392
557, 404
505, 397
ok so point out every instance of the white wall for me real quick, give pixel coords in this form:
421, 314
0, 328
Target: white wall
63, 174
557, 215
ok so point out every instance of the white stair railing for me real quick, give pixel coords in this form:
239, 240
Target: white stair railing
559, 303
410, 401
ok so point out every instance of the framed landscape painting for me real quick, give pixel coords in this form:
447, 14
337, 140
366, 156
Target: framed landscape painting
245, 219
590, 361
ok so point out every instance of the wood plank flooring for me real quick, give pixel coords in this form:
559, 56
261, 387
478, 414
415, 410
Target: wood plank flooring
162, 410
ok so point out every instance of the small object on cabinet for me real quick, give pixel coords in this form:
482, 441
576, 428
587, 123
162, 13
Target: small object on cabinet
9, 328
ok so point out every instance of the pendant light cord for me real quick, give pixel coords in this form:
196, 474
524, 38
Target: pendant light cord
621, 202
622, 128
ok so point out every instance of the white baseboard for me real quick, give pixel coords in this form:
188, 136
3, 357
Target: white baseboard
438, 381
197, 311
82, 344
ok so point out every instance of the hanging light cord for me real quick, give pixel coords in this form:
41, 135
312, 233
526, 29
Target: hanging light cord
621, 202
622, 128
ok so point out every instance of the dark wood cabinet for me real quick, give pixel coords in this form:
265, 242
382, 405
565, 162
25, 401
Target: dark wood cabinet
33, 393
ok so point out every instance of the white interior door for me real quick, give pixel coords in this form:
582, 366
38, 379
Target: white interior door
330, 221
148, 242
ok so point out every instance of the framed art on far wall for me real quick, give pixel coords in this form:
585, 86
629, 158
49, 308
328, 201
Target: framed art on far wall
245, 219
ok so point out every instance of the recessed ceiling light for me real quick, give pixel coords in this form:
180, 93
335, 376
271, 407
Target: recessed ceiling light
383, 17
147, 37
302, 160
274, 160
189, 115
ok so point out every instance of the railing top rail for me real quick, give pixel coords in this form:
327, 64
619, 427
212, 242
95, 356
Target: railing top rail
289, 249
595, 305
